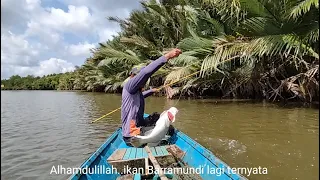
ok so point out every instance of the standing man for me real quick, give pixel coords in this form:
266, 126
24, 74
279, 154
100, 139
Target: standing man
132, 108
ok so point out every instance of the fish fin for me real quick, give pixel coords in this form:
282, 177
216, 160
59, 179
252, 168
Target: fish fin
136, 142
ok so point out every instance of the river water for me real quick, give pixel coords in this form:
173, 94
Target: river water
42, 129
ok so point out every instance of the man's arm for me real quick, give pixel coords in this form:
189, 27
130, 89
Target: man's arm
148, 92
138, 81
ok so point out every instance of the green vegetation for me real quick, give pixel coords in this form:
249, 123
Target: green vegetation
49, 82
242, 48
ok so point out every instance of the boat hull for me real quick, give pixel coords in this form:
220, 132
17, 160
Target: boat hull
202, 161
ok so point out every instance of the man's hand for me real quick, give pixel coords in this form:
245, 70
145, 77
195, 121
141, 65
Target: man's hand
173, 53
155, 90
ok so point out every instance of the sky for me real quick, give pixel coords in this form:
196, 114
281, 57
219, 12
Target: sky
40, 37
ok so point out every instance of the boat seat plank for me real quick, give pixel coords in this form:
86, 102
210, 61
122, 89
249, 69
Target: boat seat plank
127, 154
138, 157
164, 150
144, 153
159, 151
133, 153
137, 153
117, 155
153, 150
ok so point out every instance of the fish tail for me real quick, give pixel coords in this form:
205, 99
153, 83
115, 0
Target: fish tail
136, 142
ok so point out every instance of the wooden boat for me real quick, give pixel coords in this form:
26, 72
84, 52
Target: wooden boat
180, 158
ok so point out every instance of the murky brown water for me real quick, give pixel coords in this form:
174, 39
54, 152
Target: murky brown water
40, 129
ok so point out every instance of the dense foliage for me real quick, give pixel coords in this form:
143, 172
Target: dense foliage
242, 49
49, 82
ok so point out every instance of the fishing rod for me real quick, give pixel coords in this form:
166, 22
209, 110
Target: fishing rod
161, 88
166, 85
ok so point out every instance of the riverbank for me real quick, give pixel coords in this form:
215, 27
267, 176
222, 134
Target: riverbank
284, 103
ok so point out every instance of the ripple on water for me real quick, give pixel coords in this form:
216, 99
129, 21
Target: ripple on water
227, 145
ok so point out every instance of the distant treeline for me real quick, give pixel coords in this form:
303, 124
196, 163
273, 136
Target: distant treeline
48, 82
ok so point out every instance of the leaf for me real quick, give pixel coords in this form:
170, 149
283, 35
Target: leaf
303, 7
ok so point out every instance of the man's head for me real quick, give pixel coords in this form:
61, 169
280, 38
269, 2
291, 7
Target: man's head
135, 71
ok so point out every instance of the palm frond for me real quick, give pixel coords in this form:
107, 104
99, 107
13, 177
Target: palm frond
303, 7
259, 26
312, 36
189, 84
184, 59
228, 9
137, 40
255, 8
177, 73
217, 26
105, 62
195, 44
119, 56
280, 44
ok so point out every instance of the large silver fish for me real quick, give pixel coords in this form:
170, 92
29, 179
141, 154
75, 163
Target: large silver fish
160, 130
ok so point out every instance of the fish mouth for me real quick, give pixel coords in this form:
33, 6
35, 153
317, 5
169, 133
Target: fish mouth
174, 110
170, 116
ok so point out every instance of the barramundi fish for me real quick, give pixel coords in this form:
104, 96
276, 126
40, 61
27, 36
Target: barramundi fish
159, 131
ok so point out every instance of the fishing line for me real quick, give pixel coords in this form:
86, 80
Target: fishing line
158, 89
164, 87
178, 99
